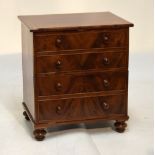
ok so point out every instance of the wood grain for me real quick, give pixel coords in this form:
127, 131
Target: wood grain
73, 21
44, 41
81, 108
81, 83
75, 69
86, 60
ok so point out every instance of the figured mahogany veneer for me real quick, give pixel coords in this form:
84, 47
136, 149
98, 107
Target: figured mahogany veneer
81, 82
44, 41
75, 69
85, 60
82, 108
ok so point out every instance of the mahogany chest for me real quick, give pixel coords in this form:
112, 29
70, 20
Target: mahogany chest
75, 69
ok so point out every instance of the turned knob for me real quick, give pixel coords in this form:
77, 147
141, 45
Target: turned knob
106, 83
58, 42
105, 106
58, 109
106, 61
106, 38
58, 64
58, 86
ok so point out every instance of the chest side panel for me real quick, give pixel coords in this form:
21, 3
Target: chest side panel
27, 65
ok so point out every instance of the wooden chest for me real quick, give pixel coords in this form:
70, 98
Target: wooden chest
75, 69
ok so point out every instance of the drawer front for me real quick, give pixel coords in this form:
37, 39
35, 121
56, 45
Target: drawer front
71, 62
82, 108
80, 40
57, 84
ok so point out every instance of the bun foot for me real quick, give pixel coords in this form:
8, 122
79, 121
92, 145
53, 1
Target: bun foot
120, 126
26, 116
39, 134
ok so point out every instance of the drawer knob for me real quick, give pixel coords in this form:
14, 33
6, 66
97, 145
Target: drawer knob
58, 42
106, 83
58, 86
58, 64
105, 106
106, 61
106, 38
58, 109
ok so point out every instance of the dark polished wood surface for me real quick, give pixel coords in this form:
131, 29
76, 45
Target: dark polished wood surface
75, 69
82, 108
44, 41
86, 60
81, 82
74, 20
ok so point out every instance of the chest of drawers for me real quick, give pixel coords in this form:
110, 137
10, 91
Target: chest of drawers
75, 69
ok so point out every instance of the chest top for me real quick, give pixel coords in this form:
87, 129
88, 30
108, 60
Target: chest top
73, 21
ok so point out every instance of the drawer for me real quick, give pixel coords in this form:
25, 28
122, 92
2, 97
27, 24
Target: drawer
44, 41
58, 84
82, 108
84, 61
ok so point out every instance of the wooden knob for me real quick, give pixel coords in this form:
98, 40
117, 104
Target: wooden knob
58, 86
106, 38
58, 109
106, 83
105, 106
58, 42
58, 64
106, 61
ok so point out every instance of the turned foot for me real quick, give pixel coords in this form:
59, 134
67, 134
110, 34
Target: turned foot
26, 116
120, 126
39, 134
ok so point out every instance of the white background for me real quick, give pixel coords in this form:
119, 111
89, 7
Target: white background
16, 134
140, 12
